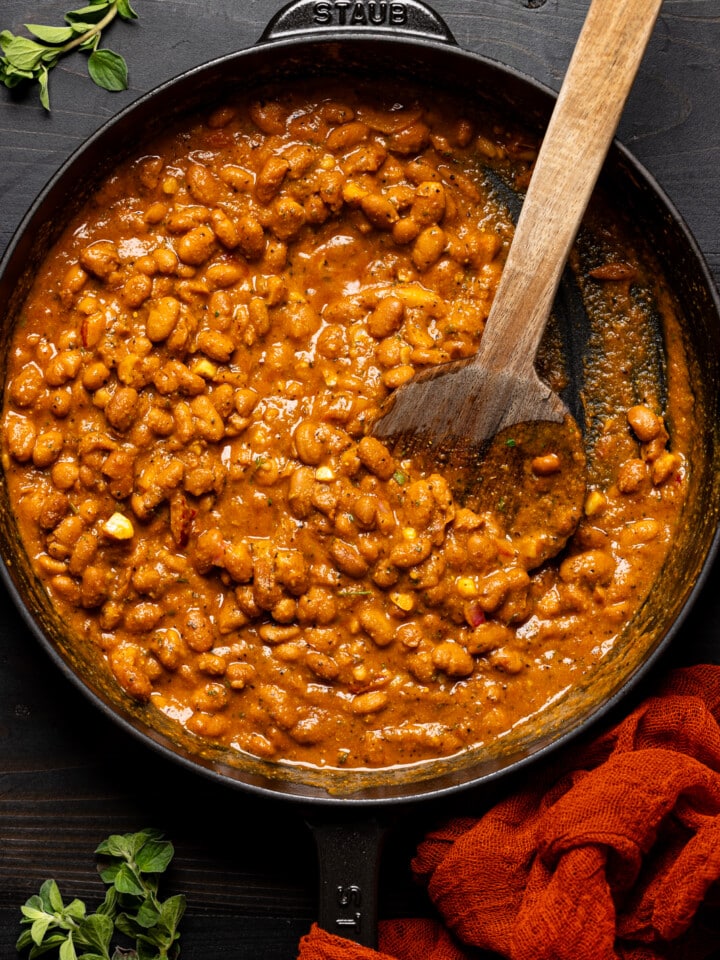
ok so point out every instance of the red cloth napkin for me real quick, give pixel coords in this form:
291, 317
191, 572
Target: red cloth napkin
608, 856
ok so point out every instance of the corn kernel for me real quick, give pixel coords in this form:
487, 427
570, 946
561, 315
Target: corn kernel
405, 601
170, 185
204, 368
324, 474
118, 527
330, 379
409, 533
595, 503
466, 587
327, 162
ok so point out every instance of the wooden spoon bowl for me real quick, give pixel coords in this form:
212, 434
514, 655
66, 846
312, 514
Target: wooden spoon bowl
491, 418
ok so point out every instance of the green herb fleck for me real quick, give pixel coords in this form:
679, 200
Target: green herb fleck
26, 60
131, 865
399, 477
511, 442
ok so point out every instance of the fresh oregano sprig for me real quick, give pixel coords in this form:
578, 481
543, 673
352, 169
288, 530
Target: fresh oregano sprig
131, 865
25, 59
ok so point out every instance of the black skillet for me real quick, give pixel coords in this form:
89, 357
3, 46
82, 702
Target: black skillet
392, 42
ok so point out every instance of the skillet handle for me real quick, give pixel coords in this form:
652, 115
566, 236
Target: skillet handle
338, 17
349, 859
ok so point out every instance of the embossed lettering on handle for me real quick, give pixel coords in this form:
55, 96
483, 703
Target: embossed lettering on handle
407, 17
348, 920
349, 855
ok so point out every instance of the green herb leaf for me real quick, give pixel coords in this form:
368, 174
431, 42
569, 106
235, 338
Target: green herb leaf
148, 915
50, 896
126, 882
131, 907
125, 10
172, 911
24, 59
67, 951
20, 52
154, 856
90, 14
43, 79
39, 928
52, 35
96, 932
108, 70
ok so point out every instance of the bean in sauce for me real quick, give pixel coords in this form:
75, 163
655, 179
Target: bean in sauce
186, 439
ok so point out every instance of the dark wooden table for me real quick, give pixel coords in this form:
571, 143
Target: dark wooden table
68, 776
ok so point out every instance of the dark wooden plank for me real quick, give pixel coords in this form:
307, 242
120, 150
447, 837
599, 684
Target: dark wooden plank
68, 777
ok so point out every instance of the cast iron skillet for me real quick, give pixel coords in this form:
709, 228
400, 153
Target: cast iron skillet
392, 42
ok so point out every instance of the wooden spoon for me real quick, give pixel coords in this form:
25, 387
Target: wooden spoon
527, 451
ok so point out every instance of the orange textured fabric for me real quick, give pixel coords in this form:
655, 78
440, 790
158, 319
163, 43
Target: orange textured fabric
608, 856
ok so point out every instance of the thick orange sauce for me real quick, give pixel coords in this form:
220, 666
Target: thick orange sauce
186, 439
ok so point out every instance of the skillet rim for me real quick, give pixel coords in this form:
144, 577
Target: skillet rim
621, 159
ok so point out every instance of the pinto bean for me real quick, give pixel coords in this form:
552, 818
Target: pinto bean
453, 659
196, 246
20, 437
379, 210
376, 457
591, 567
372, 702
386, 318
26, 387
348, 558
376, 623
270, 178
162, 319
646, 425
428, 247
121, 409
47, 448
100, 259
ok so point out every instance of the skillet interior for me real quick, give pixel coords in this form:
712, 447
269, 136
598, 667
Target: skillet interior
646, 212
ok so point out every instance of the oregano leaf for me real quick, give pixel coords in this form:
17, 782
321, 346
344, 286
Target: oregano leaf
125, 10
108, 70
90, 14
130, 908
96, 931
50, 896
25, 58
154, 856
22, 53
67, 950
148, 915
40, 928
126, 882
53, 35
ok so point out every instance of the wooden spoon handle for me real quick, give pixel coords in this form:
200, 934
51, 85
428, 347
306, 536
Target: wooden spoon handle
593, 94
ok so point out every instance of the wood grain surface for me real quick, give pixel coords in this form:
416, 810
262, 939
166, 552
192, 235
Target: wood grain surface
68, 776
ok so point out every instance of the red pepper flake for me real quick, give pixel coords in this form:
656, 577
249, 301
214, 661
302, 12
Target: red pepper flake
474, 614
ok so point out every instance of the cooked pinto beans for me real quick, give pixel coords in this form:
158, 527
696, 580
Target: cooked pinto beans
187, 440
